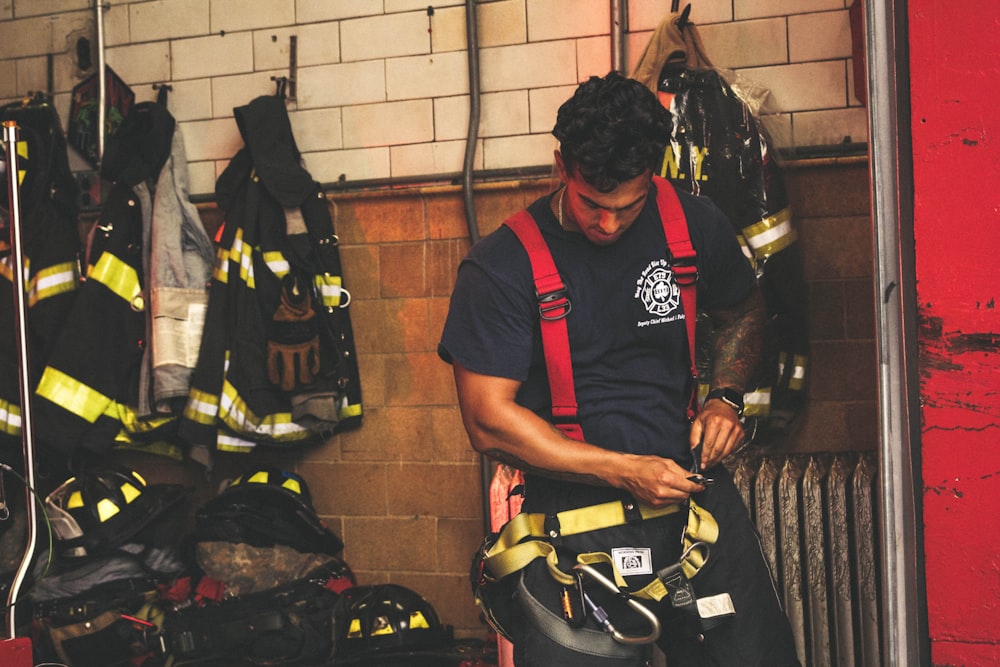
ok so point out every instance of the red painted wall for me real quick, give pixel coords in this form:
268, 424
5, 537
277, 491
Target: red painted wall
955, 115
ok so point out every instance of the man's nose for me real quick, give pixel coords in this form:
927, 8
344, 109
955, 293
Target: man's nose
610, 222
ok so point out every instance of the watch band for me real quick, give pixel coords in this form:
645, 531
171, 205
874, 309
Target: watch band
729, 396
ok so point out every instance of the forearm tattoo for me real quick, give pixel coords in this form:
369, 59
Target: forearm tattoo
736, 343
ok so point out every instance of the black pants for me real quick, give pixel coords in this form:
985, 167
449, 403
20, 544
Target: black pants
758, 635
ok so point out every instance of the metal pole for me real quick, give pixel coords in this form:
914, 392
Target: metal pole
895, 299
619, 17
99, 8
21, 336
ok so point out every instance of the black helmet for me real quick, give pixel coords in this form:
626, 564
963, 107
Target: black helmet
103, 509
266, 507
385, 619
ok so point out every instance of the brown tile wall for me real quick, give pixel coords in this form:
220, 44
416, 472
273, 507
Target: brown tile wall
403, 491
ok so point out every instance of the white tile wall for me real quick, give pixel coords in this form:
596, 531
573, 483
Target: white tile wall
382, 86
440, 157
142, 63
747, 43
167, 19
388, 36
819, 36
388, 124
748, 9
566, 19
39, 7
9, 84
647, 14
234, 15
427, 76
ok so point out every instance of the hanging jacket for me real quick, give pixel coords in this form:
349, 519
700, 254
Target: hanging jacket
718, 148
51, 250
97, 391
277, 237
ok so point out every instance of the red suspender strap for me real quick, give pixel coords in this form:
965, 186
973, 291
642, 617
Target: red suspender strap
682, 263
553, 307
554, 304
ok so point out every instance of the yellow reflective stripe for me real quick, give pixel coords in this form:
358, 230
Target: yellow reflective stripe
56, 279
130, 419
221, 270
329, 289
7, 272
50, 281
798, 378
226, 442
201, 407
117, 276
277, 263
234, 413
772, 234
243, 254
72, 395
160, 448
22, 151
348, 411
10, 418
757, 403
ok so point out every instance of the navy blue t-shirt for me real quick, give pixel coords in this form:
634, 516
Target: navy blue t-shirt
627, 330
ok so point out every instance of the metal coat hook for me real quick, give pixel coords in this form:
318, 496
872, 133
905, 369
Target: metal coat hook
163, 89
683, 20
280, 85
285, 85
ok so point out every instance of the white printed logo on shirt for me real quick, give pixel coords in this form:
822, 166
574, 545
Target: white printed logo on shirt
659, 293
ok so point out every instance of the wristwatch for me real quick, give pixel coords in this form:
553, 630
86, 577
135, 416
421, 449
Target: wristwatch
730, 397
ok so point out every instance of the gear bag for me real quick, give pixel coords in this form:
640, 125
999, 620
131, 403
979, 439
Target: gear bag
290, 624
109, 625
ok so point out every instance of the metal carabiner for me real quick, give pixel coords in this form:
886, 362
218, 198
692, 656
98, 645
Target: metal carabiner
601, 616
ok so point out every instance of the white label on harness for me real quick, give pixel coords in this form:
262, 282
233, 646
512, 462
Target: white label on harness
631, 561
714, 606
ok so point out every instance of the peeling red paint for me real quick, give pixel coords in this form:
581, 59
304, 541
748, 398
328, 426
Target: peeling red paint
953, 70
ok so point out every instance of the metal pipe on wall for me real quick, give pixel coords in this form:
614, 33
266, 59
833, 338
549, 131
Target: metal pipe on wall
471, 141
24, 376
895, 303
619, 20
101, 83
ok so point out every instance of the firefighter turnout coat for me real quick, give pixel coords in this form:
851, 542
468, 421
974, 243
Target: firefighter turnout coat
49, 208
277, 363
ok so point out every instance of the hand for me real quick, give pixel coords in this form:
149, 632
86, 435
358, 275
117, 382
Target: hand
717, 427
656, 481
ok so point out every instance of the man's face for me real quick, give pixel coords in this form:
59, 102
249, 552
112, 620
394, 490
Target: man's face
602, 217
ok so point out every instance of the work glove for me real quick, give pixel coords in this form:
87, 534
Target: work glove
293, 347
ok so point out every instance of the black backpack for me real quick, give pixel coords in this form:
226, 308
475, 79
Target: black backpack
290, 624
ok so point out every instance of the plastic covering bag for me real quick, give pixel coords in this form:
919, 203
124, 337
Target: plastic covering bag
720, 148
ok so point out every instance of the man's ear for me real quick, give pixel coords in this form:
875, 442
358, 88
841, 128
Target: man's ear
560, 166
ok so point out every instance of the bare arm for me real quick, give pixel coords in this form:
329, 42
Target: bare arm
735, 353
501, 429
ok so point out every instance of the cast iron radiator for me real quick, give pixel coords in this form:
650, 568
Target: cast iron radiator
816, 515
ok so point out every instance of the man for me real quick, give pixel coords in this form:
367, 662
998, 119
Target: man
631, 366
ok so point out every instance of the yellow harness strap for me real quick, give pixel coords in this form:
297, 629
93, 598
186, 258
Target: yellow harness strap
522, 540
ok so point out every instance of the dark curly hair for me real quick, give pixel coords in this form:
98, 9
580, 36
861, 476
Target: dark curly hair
612, 130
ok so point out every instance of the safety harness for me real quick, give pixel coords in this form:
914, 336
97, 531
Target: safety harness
527, 536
